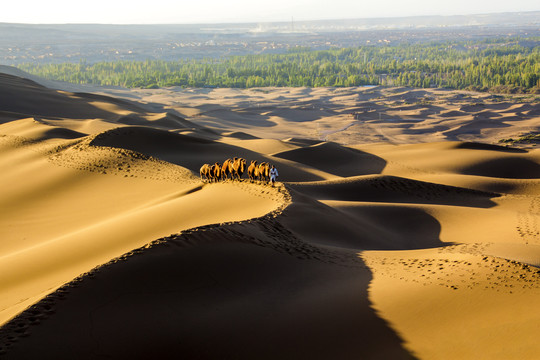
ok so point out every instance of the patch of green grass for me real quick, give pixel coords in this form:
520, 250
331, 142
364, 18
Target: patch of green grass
523, 139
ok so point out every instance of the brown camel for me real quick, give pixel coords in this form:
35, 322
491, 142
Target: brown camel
211, 173
239, 167
205, 172
216, 171
264, 172
251, 170
226, 169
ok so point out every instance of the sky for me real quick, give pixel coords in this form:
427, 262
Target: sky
231, 11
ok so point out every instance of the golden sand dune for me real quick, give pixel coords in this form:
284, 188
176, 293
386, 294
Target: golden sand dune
390, 115
388, 243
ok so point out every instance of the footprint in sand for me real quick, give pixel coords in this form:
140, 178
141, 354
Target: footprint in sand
527, 223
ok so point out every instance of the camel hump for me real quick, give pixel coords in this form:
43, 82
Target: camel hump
205, 167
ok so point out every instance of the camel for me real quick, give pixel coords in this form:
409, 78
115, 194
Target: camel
264, 172
216, 171
239, 166
211, 173
205, 172
251, 170
226, 169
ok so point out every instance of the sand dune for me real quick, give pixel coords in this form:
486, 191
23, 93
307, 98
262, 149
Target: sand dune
19, 96
398, 115
81, 219
335, 159
37, 130
393, 189
408, 233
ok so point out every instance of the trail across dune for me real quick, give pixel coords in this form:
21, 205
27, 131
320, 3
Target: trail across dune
457, 305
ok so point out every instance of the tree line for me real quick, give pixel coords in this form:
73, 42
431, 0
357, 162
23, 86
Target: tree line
498, 65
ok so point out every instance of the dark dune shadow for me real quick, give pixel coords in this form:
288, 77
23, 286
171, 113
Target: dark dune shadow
302, 114
490, 147
397, 90
409, 95
500, 106
458, 97
517, 117
230, 117
370, 95
23, 96
430, 110
417, 93
60, 133
367, 107
473, 107
168, 121
409, 129
125, 104
507, 168
488, 114
535, 111
524, 107
238, 97
393, 189
358, 226
302, 141
132, 119
241, 291
240, 135
453, 113
424, 109
336, 159
7, 116
475, 127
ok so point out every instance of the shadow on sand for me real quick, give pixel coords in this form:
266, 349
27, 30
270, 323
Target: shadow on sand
250, 290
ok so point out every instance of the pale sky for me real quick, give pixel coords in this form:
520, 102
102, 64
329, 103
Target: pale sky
212, 11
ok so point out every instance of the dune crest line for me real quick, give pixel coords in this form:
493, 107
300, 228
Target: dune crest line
21, 324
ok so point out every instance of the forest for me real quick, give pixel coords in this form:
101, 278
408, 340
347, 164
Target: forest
497, 65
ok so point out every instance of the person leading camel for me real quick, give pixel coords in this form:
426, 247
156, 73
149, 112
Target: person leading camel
273, 175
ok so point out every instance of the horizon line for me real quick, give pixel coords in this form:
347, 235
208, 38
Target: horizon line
225, 22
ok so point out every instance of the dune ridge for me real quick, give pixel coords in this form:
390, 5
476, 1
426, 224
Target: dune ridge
112, 246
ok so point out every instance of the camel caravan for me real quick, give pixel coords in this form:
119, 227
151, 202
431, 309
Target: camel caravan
234, 169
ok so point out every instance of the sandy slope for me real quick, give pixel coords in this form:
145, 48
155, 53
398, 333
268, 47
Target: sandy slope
71, 220
390, 115
111, 246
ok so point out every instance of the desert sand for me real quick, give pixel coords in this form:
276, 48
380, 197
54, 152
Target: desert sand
399, 227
